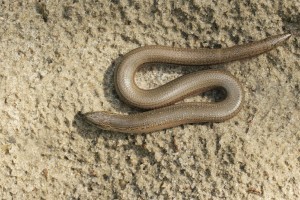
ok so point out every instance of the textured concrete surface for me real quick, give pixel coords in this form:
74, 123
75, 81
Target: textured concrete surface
57, 58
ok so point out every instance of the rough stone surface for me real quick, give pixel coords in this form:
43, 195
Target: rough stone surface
57, 58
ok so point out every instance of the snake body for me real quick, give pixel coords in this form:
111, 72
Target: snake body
162, 112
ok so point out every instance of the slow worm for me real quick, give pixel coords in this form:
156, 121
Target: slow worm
164, 114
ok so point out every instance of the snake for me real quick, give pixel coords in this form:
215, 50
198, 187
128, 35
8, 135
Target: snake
160, 108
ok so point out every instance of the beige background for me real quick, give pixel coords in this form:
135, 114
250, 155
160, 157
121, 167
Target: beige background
57, 58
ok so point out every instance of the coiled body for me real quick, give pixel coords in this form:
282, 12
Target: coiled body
164, 114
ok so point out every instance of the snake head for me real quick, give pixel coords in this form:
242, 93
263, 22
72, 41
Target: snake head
100, 119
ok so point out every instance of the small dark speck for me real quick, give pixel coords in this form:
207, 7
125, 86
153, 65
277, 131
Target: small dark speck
79, 18
215, 27
258, 28
243, 167
42, 10
208, 172
49, 60
217, 46
67, 13
115, 1
184, 35
90, 188
247, 130
11, 140
105, 177
235, 39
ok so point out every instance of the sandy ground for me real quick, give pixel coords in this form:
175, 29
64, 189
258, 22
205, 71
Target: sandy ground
58, 57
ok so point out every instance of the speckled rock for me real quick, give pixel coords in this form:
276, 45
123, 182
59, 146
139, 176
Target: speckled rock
57, 58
